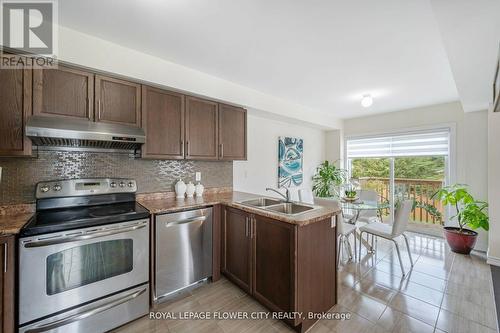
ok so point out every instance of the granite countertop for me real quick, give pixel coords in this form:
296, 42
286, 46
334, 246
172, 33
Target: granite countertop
169, 204
12, 224
14, 217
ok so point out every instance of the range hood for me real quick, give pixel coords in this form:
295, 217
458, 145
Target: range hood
81, 133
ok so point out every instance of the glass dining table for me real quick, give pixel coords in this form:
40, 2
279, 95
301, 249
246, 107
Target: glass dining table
358, 206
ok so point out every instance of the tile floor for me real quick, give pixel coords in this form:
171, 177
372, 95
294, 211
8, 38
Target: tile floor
445, 292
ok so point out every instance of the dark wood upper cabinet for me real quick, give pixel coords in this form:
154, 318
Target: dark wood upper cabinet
63, 92
163, 122
201, 129
117, 101
236, 247
7, 284
176, 126
15, 108
232, 133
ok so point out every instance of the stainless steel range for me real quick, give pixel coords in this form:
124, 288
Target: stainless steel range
84, 257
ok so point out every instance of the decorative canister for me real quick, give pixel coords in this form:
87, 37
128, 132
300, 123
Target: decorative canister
199, 189
180, 189
190, 190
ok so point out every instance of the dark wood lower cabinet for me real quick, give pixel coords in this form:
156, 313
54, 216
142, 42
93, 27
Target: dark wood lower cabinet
286, 267
316, 269
273, 263
7, 278
236, 251
216, 241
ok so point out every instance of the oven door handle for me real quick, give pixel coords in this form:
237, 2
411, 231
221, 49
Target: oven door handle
90, 235
86, 314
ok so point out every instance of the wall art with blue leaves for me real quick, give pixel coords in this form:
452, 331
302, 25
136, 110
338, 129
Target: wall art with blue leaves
290, 159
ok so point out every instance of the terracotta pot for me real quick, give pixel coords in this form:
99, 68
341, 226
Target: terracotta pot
460, 242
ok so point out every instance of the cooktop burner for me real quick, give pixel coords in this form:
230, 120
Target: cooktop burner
53, 220
80, 203
48, 221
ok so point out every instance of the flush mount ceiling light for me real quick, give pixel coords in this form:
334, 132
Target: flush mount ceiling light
367, 101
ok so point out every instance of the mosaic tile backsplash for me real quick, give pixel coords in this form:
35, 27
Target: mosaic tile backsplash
20, 175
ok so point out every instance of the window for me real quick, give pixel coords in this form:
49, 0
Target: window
82, 265
401, 166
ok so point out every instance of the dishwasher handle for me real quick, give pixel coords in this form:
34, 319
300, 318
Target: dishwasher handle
186, 221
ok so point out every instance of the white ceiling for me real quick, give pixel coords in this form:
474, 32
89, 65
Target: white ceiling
324, 54
471, 35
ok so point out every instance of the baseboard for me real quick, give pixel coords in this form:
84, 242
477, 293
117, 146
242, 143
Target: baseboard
495, 261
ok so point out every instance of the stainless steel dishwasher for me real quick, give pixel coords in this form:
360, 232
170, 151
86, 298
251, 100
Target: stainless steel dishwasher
183, 251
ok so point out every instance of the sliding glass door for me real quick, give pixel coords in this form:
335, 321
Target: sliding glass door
403, 166
373, 174
418, 178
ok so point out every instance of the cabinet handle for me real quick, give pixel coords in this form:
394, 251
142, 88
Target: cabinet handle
99, 109
187, 147
221, 150
5, 257
252, 227
182, 148
246, 226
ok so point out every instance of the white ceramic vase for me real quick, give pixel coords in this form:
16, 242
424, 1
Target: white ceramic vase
180, 189
190, 189
199, 189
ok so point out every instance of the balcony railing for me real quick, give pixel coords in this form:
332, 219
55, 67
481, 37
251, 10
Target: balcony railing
421, 190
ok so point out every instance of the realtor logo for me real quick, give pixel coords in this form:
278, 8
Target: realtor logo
29, 27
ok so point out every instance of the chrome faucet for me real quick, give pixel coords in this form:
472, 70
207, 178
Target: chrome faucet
286, 197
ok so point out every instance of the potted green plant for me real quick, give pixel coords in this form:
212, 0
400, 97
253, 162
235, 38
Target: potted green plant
469, 212
328, 179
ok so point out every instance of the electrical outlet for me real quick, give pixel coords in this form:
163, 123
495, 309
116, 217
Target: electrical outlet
197, 176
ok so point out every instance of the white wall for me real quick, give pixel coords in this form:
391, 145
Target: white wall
85, 50
494, 186
261, 168
470, 146
335, 144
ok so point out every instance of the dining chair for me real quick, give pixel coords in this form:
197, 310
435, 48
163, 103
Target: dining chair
368, 216
392, 232
306, 196
294, 194
344, 231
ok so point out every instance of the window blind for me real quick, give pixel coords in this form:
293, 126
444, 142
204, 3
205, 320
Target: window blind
435, 143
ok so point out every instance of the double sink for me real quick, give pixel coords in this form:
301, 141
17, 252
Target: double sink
278, 206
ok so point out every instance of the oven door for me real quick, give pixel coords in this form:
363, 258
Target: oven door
66, 269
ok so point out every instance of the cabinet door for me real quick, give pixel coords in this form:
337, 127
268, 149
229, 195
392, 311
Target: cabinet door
232, 133
63, 92
201, 129
117, 101
236, 247
15, 108
163, 122
274, 258
7, 278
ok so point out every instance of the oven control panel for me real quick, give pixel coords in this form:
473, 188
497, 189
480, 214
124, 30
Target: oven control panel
78, 187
